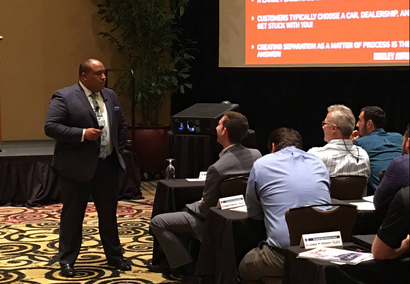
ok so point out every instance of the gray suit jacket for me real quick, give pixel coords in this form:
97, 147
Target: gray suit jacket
68, 114
237, 160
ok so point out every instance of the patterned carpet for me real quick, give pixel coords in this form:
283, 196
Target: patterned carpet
29, 244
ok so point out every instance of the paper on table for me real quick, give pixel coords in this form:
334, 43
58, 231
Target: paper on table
363, 205
336, 256
369, 198
240, 209
195, 179
202, 177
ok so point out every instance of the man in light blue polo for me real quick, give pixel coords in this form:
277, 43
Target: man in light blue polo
286, 178
381, 146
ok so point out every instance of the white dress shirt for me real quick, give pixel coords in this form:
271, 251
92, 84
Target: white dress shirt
340, 162
104, 112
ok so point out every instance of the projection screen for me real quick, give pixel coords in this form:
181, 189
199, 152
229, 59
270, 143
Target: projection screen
313, 33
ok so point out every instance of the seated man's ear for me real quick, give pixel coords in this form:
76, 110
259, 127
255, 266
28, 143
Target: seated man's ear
369, 123
273, 147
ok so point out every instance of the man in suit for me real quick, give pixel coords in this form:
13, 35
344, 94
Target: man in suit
174, 229
87, 122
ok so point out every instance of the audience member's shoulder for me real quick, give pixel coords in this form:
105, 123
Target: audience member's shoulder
315, 150
255, 152
403, 159
395, 134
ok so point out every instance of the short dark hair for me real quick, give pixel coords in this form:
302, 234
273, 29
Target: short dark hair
85, 66
406, 133
284, 137
237, 126
376, 114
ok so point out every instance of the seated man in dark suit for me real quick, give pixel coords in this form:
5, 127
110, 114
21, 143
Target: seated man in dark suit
395, 177
173, 230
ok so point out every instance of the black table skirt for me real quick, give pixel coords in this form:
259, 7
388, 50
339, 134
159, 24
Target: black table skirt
228, 237
172, 196
31, 181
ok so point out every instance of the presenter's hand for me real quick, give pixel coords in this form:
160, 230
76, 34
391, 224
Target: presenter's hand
355, 135
92, 134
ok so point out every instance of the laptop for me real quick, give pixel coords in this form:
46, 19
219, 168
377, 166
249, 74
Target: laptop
364, 240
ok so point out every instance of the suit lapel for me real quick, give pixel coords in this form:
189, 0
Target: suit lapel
83, 98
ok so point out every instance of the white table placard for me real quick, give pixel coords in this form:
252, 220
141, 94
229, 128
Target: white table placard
368, 198
364, 205
231, 202
202, 177
328, 239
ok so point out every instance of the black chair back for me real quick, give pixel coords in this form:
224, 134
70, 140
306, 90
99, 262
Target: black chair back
309, 219
347, 187
234, 186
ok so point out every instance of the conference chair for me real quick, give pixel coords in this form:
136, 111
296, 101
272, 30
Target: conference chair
310, 219
348, 187
235, 185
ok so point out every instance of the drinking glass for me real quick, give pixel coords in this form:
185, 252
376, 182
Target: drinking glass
170, 170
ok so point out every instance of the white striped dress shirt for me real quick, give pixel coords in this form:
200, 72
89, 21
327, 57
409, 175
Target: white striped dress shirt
340, 162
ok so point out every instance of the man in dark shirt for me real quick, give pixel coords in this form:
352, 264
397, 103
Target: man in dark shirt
392, 238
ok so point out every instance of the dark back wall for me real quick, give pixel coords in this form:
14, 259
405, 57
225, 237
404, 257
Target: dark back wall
296, 98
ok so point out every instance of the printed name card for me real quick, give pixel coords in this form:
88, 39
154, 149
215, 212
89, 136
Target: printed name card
231, 202
328, 239
202, 177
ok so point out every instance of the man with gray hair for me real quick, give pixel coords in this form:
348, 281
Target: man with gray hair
340, 156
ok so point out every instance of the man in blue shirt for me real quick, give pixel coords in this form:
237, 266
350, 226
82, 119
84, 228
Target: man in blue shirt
284, 179
381, 146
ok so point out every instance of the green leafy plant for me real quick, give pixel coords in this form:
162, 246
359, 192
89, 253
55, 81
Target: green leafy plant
147, 33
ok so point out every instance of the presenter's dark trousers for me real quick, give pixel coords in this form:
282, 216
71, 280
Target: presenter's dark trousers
104, 189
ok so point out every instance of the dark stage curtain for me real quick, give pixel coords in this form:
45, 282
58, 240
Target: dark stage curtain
30, 181
293, 97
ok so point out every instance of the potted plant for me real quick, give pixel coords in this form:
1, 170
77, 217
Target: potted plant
147, 33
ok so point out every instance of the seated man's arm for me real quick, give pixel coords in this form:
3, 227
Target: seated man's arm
211, 193
388, 187
253, 203
392, 237
382, 251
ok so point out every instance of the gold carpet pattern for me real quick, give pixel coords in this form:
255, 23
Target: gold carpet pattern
29, 244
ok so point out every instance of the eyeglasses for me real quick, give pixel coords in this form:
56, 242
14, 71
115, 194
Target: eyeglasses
324, 123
